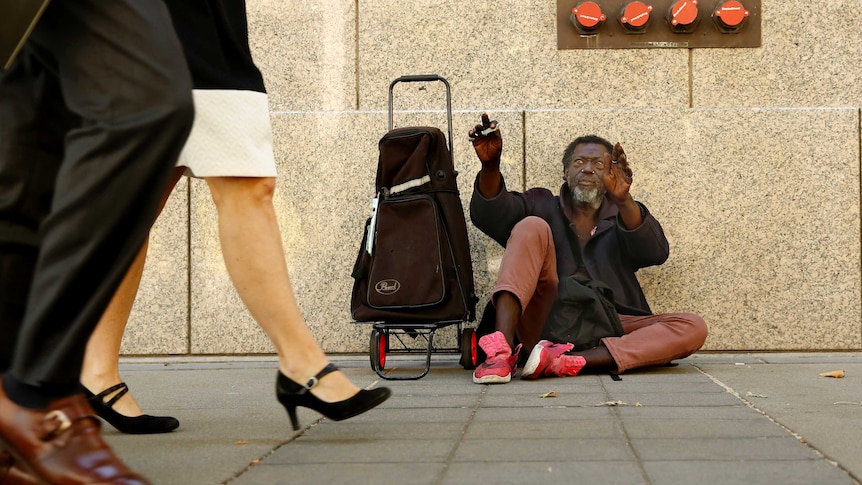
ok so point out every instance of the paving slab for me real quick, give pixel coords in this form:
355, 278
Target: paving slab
790, 472
714, 418
603, 472
823, 412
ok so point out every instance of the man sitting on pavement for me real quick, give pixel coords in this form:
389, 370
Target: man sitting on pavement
593, 230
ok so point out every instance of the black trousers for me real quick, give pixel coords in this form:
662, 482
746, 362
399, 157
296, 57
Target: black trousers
93, 115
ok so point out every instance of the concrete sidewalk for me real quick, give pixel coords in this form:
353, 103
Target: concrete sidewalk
760, 418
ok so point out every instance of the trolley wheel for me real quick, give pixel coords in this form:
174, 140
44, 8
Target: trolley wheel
377, 347
469, 349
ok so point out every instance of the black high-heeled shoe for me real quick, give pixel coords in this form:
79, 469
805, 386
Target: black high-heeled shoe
290, 395
143, 424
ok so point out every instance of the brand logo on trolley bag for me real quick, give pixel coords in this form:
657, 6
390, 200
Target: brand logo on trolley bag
387, 287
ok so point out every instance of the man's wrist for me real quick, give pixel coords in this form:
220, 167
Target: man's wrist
631, 213
489, 182
625, 202
493, 165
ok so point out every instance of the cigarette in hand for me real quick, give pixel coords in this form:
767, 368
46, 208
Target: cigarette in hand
489, 130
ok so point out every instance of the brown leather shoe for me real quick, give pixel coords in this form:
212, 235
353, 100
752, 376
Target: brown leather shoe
10, 474
62, 443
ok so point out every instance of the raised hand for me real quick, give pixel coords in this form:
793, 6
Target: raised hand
618, 177
487, 142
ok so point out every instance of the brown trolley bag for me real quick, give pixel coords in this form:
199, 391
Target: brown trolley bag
413, 270
414, 264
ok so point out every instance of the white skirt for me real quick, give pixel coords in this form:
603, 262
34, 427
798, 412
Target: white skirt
231, 135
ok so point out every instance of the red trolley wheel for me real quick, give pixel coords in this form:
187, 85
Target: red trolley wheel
469, 349
377, 346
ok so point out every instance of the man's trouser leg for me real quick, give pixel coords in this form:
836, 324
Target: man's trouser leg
33, 125
121, 71
16, 273
529, 271
656, 339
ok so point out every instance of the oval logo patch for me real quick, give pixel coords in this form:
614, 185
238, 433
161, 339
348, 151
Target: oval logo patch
387, 287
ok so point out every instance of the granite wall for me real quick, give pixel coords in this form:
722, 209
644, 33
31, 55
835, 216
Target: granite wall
749, 157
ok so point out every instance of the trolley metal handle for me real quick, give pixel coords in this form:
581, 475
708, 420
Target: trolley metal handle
426, 78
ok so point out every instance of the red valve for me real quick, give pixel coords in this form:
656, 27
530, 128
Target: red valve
683, 13
731, 14
588, 15
635, 15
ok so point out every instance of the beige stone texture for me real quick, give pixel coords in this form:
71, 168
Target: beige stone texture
306, 51
504, 56
750, 157
810, 57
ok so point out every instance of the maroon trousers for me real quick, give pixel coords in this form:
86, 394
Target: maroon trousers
529, 271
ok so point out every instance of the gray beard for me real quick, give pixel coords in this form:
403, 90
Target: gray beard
592, 197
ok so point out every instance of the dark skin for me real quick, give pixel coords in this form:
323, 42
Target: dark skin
597, 166
609, 169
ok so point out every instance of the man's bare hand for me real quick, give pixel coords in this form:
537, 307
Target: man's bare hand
487, 141
618, 177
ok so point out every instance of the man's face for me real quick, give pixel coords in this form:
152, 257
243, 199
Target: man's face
584, 174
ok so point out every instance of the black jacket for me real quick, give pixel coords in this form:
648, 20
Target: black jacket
612, 255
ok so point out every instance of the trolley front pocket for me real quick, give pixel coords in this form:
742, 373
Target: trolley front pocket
407, 264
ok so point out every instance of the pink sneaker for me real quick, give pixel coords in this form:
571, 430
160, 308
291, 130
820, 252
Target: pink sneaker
548, 359
501, 363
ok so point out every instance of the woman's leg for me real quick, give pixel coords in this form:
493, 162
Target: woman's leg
254, 256
101, 360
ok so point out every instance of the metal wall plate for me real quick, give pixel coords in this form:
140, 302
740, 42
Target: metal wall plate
658, 33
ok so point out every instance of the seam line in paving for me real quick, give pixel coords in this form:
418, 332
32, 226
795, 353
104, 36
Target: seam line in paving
272, 451
777, 423
621, 423
451, 456
294, 437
